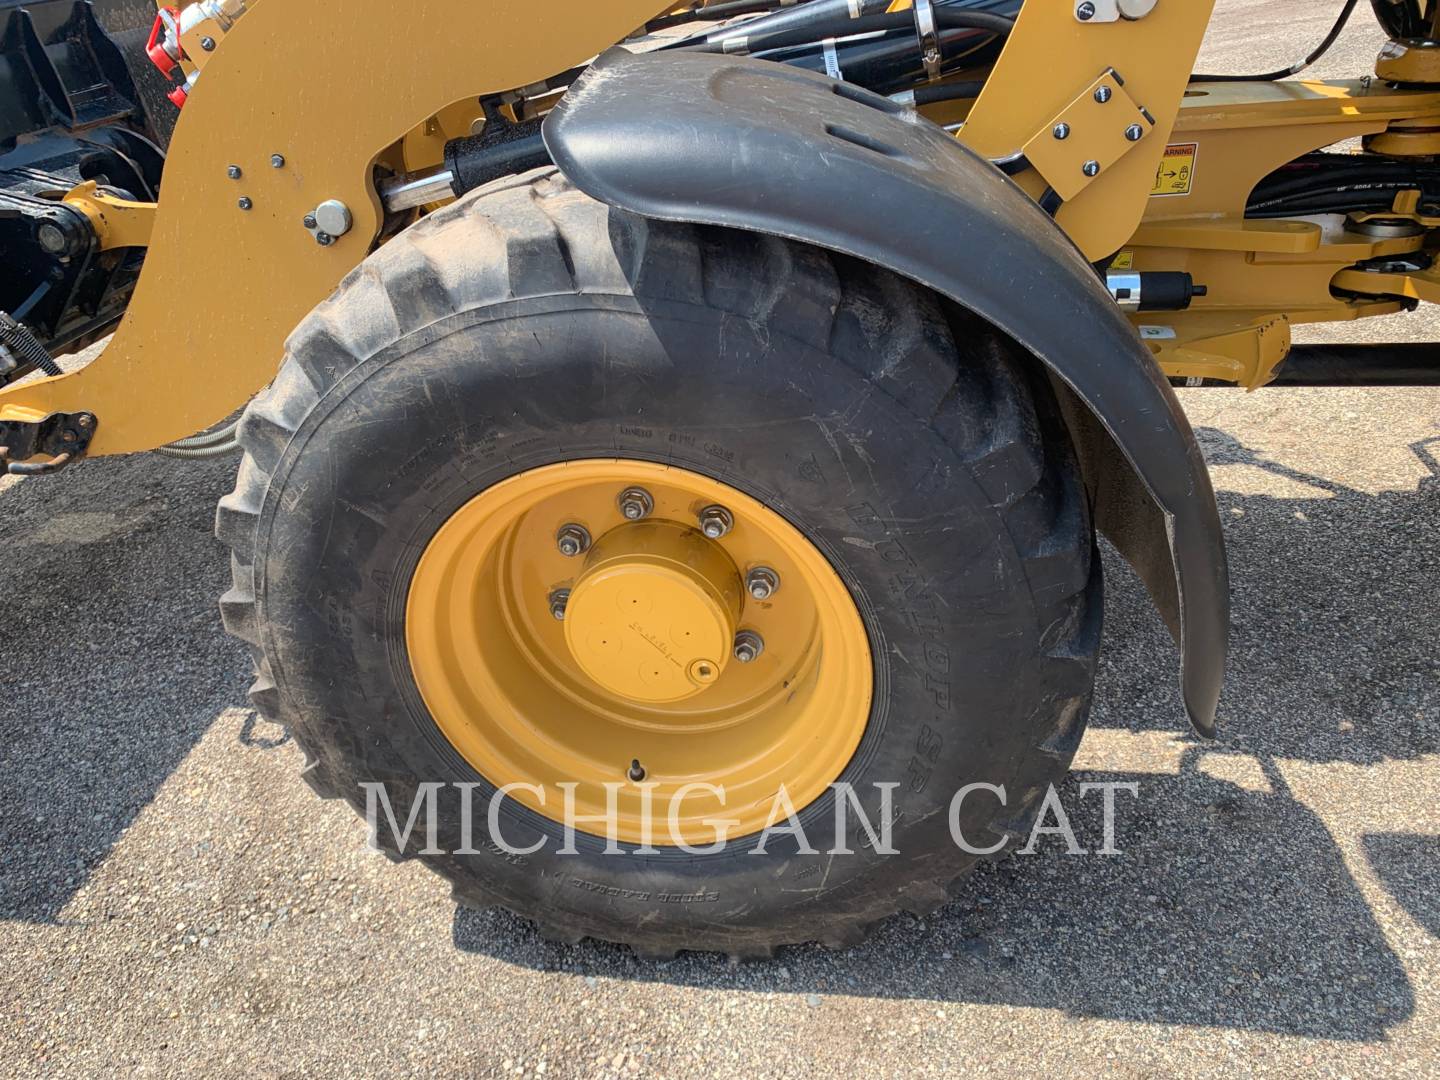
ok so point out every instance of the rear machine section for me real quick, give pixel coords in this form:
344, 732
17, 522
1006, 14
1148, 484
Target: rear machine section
78, 104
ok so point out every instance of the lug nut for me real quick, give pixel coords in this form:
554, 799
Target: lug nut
748, 645
558, 599
636, 503
716, 521
762, 582
572, 540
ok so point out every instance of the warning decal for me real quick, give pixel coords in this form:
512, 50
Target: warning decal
1177, 170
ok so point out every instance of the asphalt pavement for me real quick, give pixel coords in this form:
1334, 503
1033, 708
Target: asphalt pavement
174, 901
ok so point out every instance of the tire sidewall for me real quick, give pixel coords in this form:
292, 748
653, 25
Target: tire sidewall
403, 440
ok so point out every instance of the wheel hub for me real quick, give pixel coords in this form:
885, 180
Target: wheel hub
601, 622
653, 615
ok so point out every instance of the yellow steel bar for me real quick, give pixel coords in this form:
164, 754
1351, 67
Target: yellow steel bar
117, 222
222, 286
1417, 284
1050, 57
1282, 104
1230, 234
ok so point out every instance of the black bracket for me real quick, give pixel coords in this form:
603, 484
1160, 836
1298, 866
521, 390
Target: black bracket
62, 436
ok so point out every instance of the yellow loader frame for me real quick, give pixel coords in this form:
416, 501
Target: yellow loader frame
300, 102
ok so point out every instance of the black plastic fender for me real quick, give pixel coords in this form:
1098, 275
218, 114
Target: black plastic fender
715, 140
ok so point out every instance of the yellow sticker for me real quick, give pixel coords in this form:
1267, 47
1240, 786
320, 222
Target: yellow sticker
1124, 261
1177, 170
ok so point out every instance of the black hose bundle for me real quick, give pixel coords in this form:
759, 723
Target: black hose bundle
812, 13
1328, 183
727, 10
763, 39
818, 20
884, 64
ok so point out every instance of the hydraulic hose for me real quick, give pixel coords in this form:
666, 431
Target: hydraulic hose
1299, 65
715, 11
800, 15
937, 92
1330, 183
748, 40
884, 64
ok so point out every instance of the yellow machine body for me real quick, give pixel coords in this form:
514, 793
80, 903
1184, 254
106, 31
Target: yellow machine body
294, 111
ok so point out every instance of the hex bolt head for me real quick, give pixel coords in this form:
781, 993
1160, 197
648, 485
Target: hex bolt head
1103, 94
716, 521
1085, 12
245, 202
234, 172
1134, 133
559, 598
572, 540
748, 646
1091, 168
636, 504
277, 161
1061, 131
762, 583
208, 44
324, 239
310, 222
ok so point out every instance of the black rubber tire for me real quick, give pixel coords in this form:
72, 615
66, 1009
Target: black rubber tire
527, 324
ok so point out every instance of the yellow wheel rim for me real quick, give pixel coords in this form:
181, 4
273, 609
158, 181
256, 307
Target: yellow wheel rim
601, 661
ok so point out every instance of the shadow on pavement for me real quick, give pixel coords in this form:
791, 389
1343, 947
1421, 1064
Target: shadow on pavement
1228, 908
1232, 907
1407, 866
114, 663
1333, 635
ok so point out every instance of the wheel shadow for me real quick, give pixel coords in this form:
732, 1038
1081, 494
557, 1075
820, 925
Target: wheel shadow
1408, 865
1228, 908
114, 661
1232, 906
1333, 654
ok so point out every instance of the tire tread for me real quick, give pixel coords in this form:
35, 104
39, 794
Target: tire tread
535, 234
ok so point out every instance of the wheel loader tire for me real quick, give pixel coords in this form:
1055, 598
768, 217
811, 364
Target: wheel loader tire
527, 325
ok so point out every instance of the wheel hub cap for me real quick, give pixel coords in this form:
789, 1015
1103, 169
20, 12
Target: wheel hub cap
653, 615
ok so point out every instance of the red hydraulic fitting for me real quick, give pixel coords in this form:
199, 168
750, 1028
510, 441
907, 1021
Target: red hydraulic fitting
163, 49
